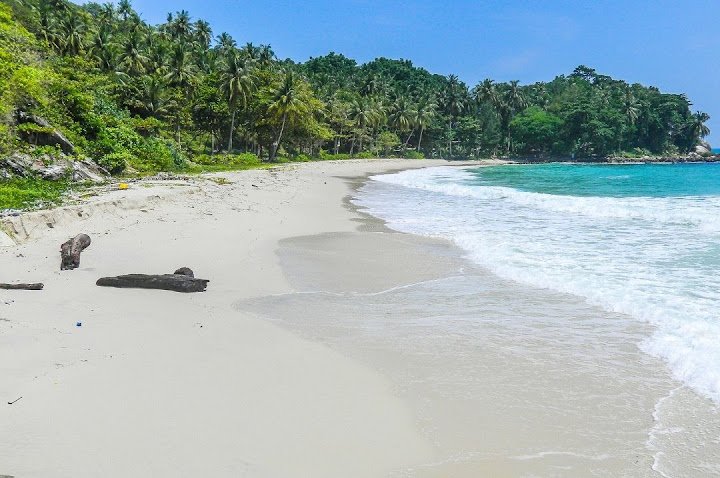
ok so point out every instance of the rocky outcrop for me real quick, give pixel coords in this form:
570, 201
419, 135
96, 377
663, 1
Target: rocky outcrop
43, 134
46, 167
703, 148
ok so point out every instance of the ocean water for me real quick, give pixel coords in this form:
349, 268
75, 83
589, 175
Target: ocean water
639, 240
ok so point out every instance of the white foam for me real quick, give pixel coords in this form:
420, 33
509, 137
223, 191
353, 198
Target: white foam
652, 258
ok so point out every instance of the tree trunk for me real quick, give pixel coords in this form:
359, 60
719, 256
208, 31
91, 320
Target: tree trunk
37, 286
420, 138
182, 280
232, 130
70, 251
408, 141
276, 144
450, 141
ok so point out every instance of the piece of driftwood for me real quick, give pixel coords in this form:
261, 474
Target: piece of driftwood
185, 271
36, 286
182, 281
70, 251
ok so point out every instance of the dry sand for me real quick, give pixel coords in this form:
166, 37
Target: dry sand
157, 383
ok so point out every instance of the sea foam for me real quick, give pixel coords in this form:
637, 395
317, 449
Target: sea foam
654, 258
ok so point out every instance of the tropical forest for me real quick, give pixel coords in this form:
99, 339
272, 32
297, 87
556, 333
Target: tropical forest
96, 82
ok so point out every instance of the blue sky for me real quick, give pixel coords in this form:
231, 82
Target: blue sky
673, 45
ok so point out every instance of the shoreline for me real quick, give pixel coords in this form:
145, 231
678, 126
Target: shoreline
269, 372
156, 383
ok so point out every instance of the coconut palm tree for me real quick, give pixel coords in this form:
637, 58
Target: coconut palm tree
486, 92
225, 43
72, 34
132, 59
454, 103
203, 34
124, 9
514, 97
238, 82
401, 118
423, 115
288, 102
697, 127
180, 68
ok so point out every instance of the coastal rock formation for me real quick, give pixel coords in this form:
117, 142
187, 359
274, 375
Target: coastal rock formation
43, 133
703, 148
50, 168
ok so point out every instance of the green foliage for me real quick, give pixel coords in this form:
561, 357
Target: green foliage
413, 155
116, 162
163, 97
536, 130
29, 193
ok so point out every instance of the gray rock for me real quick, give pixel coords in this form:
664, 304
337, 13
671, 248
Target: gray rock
53, 172
87, 170
52, 137
703, 148
17, 163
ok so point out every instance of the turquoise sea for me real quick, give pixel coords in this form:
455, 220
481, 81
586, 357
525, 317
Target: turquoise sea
640, 240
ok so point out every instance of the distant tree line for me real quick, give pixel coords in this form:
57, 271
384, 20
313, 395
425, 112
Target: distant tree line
128, 93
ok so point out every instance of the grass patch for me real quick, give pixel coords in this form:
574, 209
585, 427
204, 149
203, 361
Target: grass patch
30, 193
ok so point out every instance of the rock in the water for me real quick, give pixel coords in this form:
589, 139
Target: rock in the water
45, 134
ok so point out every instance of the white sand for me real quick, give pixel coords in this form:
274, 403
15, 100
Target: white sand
158, 383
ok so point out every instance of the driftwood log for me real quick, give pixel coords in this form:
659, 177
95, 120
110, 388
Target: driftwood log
37, 286
183, 280
70, 251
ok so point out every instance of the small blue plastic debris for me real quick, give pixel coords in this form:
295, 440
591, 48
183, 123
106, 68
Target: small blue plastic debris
79, 324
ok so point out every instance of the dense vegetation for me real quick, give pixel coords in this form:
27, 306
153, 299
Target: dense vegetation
174, 96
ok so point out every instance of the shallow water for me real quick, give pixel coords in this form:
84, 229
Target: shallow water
505, 379
643, 240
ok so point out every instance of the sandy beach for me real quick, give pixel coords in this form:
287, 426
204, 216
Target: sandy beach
156, 383
326, 345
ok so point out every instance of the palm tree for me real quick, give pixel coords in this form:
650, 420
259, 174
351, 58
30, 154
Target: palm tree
514, 97
401, 118
153, 100
453, 100
106, 18
265, 56
102, 50
180, 68
225, 43
203, 34
238, 82
125, 9
697, 127
132, 59
72, 34
365, 112
486, 92
423, 115
288, 101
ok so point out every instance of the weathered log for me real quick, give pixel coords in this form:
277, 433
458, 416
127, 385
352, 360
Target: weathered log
70, 251
36, 286
184, 271
173, 282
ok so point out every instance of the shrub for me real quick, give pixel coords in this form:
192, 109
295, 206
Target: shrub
412, 154
365, 155
115, 162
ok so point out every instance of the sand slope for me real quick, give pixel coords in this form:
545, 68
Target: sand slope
157, 383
